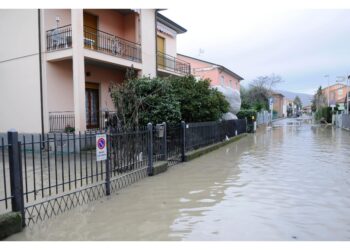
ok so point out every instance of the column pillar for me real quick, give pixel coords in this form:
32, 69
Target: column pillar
78, 69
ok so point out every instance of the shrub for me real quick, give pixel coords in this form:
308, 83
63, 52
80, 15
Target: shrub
198, 102
172, 99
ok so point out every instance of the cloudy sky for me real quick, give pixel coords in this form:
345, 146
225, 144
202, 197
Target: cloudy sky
302, 46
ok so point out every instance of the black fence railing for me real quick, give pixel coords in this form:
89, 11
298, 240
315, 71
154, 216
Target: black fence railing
5, 187
65, 121
59, 38
62, 121
60, 170
346, 121
173, 64
206, 133
110, 44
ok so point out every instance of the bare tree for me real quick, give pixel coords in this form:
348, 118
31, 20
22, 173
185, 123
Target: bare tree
267, 82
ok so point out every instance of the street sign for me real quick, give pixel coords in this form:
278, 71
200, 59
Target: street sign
101, 147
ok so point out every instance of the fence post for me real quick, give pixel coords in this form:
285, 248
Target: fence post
16, 181
183, 135
150, 148
165, 149
108, 166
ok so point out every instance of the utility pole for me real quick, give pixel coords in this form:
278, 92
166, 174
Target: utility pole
327, 76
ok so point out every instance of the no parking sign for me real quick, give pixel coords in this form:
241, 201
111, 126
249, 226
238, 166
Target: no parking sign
101, 147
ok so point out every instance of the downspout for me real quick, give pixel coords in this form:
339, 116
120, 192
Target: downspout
41, 76
156, 43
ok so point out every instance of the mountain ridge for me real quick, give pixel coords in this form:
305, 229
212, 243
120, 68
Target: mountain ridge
305, 98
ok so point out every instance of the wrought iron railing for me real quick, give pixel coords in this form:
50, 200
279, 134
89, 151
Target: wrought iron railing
60, 171
59, 38
62, 121
111, 44
202, 134
173, 64
94, 39
65, 121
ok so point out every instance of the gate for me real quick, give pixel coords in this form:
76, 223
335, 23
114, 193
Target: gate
175, 141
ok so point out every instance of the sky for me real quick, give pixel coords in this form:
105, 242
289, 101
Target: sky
302, 46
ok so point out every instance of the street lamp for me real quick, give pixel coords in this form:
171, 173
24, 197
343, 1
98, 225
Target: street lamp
327, 76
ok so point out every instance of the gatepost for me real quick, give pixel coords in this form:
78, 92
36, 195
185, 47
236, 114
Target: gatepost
16, 180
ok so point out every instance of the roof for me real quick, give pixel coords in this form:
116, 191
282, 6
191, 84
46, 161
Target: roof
171, 24
341, 85
223, 68
277, 93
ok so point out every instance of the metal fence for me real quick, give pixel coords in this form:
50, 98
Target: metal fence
59, 38
206, 133
65, 121
110, 44
43, 176
263, 117
172, 64
345, 121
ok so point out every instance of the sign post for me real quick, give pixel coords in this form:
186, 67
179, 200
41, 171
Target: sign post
101, 147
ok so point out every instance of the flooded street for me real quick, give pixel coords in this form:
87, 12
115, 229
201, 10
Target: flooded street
283, 183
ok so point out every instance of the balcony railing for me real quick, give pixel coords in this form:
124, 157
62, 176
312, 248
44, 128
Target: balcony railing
59, 38
61, 121
110, 44
65, 121
170, 63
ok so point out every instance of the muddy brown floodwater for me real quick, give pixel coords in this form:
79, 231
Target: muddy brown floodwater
285, 183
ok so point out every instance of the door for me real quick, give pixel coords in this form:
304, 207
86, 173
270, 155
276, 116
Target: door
92, 102
161, 51
90, 31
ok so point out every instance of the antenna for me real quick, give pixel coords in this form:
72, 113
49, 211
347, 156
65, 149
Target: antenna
201, 51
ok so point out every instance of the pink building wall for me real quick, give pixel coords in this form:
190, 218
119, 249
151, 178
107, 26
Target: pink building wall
60, 84
113, 22
110, 21
50, 18
205, 70
59, 77
104, 77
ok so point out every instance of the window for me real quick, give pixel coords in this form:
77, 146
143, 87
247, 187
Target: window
340, 92
222, 81
231, 84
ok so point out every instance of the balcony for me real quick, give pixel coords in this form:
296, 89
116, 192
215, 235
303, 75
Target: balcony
172, 64
97, 40
59, 38
110, 44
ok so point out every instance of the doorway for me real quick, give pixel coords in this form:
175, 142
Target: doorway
90, 31
92, 104
161, 51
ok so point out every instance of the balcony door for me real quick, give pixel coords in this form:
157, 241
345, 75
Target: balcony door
92, 104
90, 31
161, 52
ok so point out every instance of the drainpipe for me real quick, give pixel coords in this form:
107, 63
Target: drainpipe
156, 43
40, 75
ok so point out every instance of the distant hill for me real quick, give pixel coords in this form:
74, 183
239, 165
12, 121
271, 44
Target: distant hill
305, 98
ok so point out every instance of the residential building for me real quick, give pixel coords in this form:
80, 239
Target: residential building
218, 74
167, 62
279, 104
58, 64
335, 94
